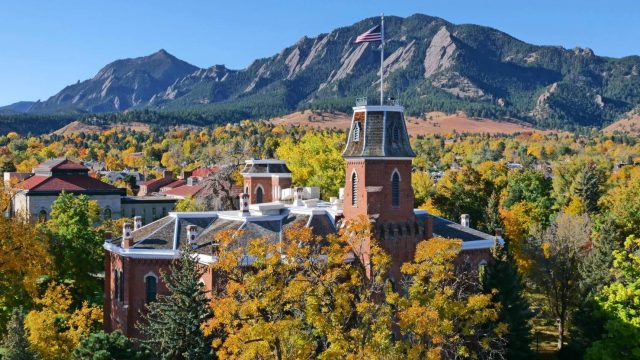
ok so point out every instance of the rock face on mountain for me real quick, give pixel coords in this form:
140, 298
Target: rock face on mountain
430, 64
120, 85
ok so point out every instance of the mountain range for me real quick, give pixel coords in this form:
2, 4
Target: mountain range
430, 65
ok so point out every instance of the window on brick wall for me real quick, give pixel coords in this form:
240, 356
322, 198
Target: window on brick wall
116, 282
395, 189
354, 189
259, 195
121, 298
151, 288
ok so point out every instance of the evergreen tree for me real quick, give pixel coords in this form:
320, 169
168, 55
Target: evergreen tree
588, 186
172, 324
15, 343
109, 346
502, 275
492, 219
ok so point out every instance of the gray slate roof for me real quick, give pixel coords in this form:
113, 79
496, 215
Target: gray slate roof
380, 138
266, 169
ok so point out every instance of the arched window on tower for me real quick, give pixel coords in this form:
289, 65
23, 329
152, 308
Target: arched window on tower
151, 288
354, 189
356, 131
259, 195
395, 189
395, 134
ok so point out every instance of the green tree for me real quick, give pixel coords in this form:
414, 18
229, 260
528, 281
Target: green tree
492, 220
15, 343
530, 186
502, 275
588, 186
109, 346
620, 302
76, 245
315, 160
558, 253
462, 192
173, 323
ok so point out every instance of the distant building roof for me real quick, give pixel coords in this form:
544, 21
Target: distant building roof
68, 183
184, 190
53, 166
265, 167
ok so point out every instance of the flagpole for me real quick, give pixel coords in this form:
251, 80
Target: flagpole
382, 61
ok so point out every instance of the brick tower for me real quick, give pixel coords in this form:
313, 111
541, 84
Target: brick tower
264, 180
378, 159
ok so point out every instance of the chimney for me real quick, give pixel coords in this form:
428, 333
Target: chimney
167, 174
192, 234
137, 222
108, 236
244, 204
297, 197
465, 220
127, 237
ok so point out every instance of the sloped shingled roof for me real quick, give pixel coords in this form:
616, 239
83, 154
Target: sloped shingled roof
380, 137
69, 183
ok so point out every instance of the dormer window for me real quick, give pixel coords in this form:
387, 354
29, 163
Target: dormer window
395, 134
356, 132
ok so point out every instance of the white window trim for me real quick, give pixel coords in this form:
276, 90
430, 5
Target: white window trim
150, 274
354, 203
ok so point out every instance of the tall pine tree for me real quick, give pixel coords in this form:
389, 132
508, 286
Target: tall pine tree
15, 343
172, 324
502, 275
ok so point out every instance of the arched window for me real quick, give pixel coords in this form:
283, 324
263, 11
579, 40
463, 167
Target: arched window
116, 282
246, 190
356, 131
482, 271
121, 298
154, 214
259, 194
164, 212
354, 189
395, 189
151, 288
42, 216
107, 214
395, 134
133, 212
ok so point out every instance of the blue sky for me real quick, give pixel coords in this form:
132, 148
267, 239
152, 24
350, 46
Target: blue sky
45, 45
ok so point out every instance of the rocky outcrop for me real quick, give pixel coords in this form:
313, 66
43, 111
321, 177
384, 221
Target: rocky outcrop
440, 53
348, 61
399, 59
542, 108
458, 85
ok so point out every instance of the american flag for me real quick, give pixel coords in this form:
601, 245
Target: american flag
373, 34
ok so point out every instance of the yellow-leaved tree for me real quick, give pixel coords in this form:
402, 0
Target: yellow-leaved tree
55, 328
24, 258
315, 160
444, 315
302, 297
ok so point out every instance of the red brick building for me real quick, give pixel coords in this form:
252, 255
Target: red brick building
264, 180
378, 186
